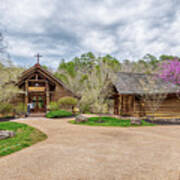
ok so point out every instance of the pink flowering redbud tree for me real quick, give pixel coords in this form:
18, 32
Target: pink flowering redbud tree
170, 71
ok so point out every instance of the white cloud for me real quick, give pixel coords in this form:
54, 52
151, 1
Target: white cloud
63, 29
98, 42
26, 15
20, 47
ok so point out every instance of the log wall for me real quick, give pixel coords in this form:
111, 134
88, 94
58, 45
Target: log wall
131, 106
59, 93
169, 107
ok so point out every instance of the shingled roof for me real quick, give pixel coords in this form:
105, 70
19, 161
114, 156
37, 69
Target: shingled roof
137, 83
39, 68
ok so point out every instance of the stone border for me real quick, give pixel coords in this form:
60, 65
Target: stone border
4, 134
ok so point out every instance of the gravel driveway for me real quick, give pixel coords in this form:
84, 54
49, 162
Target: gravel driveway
75, 152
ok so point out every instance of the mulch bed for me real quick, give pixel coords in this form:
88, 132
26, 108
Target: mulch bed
164, 121
7, 119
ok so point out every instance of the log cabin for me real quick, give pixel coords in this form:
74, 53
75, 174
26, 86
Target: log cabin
41, 87
130, 89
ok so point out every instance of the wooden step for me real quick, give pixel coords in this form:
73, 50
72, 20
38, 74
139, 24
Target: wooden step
37, 115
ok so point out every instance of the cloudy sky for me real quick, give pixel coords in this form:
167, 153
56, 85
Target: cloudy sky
66, 28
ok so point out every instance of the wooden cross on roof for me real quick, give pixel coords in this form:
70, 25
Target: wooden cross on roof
38, 57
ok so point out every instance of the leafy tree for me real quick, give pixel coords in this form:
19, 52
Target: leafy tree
150, 63
45, 67
112, 62
70, 76
165, 57
85, 61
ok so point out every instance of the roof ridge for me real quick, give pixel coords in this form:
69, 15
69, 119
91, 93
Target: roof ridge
48, 73
134, 73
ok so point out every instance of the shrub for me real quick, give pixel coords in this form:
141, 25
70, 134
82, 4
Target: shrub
67, 102
53, 106
20, 109
58, 114
6, 108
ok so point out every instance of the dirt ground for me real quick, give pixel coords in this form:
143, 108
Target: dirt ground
76, 152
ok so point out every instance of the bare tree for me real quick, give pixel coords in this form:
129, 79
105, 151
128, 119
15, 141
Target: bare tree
136, 67
1, 43
97, 88
154, 92
8, 74
8, 78
91, 83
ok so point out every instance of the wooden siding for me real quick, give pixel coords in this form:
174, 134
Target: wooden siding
169, 107
18, 99
60, 92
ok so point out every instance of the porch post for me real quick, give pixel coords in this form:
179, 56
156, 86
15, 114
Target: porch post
47, 96
26, 93
116, 105
134, 106
123, 104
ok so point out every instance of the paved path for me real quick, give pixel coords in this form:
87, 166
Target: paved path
74, 152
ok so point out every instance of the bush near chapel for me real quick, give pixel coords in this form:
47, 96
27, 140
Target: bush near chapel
67, 102
53, 106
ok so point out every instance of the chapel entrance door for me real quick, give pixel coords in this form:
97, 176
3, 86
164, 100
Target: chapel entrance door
39, 103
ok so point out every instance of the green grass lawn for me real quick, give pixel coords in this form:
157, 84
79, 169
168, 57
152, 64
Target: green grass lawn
110, 121
25, 137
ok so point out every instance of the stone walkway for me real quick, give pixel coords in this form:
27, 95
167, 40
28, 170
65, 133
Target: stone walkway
76, 152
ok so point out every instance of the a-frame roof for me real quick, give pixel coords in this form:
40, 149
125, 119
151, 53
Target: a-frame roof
44, 72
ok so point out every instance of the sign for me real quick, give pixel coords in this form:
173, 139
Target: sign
36, 89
